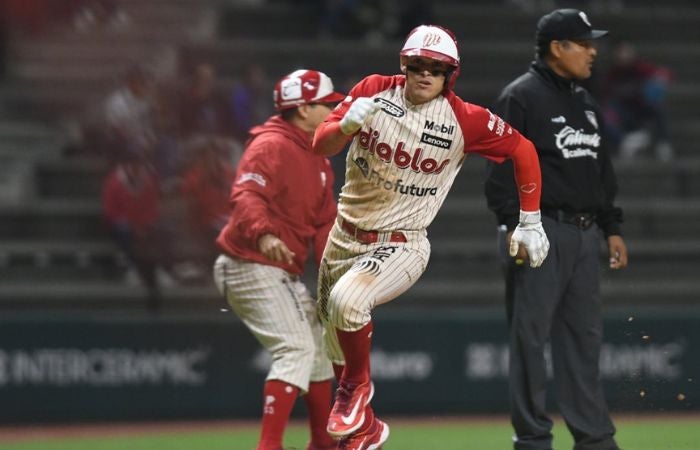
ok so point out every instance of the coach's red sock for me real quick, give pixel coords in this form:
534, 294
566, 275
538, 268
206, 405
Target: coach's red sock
318, 403
356, 346
279, 398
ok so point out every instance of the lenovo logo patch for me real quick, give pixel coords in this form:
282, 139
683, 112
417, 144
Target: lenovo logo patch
435, 141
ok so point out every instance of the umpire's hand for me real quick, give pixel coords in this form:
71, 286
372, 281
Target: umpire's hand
618, 252
275, 249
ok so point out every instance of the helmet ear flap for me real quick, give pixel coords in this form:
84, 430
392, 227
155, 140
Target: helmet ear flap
451, 78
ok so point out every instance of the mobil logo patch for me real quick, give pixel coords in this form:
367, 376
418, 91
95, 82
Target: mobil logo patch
390, 108
443, 128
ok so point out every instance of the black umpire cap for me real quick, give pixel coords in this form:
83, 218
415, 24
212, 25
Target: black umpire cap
566, 24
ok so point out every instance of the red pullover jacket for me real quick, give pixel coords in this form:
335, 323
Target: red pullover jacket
280, 188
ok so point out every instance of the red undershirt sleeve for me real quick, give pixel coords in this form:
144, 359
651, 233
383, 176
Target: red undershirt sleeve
528, 178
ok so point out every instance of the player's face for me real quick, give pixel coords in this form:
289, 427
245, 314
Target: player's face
425, 78
574, 58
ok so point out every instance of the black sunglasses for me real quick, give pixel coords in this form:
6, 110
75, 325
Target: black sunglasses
419, 69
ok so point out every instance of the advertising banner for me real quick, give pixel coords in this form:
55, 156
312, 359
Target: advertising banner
131, 368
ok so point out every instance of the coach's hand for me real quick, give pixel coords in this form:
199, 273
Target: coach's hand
531, 235
361, 109
275, 249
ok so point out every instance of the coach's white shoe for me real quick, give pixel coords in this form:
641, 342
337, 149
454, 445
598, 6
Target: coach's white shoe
348, 413
371, 439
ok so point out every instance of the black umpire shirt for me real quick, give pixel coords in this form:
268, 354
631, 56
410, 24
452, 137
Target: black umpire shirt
563, 121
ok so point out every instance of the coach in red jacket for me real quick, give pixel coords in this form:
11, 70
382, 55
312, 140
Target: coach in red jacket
282, 205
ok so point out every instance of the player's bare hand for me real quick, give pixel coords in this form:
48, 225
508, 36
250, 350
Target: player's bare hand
361, 109
530, 234
275, 249
617, 251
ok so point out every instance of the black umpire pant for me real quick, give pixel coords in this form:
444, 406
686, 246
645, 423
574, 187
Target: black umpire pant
558, 304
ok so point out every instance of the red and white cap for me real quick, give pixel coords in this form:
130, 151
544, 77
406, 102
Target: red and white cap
432, 41
303, 87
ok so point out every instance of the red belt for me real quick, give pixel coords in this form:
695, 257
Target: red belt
372, 236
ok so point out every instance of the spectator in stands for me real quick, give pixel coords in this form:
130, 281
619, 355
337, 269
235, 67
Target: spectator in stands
634, 93
202, 108
250, 100
169, 148
131, 209
205, 188
27, 16
184, 115
128, 114
34, 17
100, 14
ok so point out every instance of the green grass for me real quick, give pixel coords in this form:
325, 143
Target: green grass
672, 433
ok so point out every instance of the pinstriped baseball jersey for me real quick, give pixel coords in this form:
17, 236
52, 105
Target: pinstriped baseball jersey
403, 161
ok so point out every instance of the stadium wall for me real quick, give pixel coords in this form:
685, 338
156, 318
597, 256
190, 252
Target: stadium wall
111, 367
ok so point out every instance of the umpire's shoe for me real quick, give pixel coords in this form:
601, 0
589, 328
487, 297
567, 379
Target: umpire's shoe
370, 439
348, 413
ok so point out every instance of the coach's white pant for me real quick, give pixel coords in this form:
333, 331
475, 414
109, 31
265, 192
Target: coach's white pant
278, 309
354, 278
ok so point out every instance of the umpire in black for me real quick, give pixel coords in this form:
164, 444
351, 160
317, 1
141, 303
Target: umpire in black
559, 303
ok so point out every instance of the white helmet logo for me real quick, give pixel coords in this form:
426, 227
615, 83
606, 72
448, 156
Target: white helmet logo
431, 39
584, 17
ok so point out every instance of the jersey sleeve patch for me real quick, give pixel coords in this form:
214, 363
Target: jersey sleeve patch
252, 176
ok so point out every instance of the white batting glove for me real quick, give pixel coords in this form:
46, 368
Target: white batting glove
361, 109
530, 233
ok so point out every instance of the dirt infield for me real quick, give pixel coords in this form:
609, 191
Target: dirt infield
19, 433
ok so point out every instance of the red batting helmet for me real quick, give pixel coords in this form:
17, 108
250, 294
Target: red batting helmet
303, 87
434, 42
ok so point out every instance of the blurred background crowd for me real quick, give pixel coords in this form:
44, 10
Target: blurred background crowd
121, 123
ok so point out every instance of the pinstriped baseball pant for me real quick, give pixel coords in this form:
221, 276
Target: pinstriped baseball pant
279, 311
354, 278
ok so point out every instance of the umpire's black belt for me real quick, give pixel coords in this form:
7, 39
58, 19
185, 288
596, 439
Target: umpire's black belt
581, 220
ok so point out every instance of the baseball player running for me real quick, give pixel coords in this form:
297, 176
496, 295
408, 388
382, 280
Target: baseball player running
282, 203
410, 135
